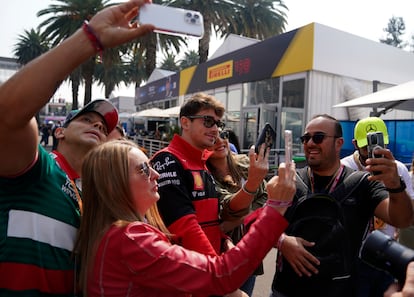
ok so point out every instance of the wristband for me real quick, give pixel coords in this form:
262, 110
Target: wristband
278, 203
399, 189
280, 241
248, 192
96, 43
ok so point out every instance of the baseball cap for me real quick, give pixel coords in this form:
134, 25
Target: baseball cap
103, 107
367, 125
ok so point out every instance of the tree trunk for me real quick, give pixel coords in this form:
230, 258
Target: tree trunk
88, 69
75, 81
151, 54
203, 44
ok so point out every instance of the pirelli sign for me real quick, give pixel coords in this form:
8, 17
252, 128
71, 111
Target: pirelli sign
220, 71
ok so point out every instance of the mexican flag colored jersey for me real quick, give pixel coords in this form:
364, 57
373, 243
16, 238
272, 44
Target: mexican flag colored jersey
39, 218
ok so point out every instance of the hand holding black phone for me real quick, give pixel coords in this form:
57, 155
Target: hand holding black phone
268, 136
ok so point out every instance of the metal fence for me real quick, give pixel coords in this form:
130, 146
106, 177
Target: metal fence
153, 145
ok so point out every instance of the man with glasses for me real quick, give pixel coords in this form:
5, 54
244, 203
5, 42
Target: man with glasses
40, 194
299, 272
189, 203
371, 281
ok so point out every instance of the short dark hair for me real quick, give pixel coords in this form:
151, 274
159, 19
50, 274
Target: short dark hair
201, 101
338, 127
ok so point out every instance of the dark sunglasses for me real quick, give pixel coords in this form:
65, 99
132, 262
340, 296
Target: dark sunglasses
209, 121
145, 169
317, 138
224, 134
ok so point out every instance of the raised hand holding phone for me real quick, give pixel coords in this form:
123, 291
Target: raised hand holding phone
268, 136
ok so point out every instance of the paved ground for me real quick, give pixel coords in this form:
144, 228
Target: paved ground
264, 282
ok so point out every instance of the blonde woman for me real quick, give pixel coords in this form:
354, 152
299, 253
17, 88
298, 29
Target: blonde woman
125, 249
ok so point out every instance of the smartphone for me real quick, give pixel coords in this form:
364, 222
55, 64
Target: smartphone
288, 147
375, 140
268, 136
172, 20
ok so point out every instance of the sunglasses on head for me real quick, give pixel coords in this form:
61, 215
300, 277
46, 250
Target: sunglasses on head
145, 169
224, 134
209, 121
317, 138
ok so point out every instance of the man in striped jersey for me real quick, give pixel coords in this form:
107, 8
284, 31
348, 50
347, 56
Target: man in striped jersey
40, 192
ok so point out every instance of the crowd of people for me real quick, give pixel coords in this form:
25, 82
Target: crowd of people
98, 217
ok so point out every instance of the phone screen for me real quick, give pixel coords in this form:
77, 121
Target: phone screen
268, 136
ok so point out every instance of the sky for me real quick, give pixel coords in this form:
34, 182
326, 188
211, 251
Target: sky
364, 18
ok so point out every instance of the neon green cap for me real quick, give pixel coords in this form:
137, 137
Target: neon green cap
367, 125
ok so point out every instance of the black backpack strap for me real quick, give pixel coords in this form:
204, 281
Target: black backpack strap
302, 191
348, 185
302, 179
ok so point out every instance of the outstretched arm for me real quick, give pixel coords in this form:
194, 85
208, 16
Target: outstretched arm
25, 93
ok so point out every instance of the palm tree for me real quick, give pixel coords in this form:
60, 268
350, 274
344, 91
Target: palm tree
190, 59
169, 63
29, 46
135, 62
118, 66
67, 17
259, 20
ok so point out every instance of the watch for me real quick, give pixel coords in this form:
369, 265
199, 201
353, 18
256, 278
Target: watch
400, 189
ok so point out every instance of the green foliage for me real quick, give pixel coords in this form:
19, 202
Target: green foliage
395, 29
169, 63
134, 62
29, 46
190, 59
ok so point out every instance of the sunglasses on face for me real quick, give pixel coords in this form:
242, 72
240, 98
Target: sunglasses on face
145, 169
209, 121
317, 138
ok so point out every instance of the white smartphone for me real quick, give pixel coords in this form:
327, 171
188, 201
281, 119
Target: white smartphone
288, 147
172, 20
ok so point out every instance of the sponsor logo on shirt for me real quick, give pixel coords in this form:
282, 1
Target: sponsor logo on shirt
198, 181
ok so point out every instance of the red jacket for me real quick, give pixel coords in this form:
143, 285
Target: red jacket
189, 203
138, 260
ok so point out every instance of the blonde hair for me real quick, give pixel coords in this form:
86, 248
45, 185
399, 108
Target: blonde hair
107, 200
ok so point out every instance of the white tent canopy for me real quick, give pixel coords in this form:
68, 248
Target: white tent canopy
150, 113
172, 112
398, 97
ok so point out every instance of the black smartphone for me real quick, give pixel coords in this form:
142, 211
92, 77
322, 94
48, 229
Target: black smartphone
268, 136
375, 141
